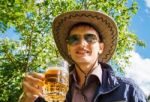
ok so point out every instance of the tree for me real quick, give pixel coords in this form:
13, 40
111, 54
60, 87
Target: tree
32, 20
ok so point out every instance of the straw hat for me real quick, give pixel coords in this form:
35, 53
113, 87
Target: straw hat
102, 22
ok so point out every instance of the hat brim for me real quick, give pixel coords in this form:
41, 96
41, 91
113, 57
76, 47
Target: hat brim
102, 22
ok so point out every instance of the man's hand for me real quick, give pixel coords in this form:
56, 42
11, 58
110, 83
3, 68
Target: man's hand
32, 87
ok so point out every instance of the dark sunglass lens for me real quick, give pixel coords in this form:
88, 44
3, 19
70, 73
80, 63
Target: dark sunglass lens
73, 39
91, 38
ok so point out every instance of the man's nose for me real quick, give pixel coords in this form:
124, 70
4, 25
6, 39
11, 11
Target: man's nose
83, 42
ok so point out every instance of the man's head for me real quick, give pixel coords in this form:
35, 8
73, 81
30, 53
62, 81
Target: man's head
99, 22
84, 43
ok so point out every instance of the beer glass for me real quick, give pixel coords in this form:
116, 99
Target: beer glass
56, 84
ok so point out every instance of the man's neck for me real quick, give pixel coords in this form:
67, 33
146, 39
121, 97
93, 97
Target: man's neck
86, 69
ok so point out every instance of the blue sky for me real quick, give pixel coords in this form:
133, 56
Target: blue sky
140, 60
140, 24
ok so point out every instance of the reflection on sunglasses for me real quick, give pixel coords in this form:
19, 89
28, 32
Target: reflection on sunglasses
75, 39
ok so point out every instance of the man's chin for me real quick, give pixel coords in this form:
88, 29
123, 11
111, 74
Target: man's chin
82, 60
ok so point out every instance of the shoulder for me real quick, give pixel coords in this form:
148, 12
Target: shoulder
126, 81
131, 88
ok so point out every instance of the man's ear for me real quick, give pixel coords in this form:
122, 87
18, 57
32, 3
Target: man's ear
101, 48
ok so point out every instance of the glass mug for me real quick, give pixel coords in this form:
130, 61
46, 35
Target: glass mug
56, 84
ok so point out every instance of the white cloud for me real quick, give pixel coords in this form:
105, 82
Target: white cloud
147, 3
140, 71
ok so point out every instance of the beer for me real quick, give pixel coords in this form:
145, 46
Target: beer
55, 85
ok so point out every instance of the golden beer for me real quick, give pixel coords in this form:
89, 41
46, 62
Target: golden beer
55, 85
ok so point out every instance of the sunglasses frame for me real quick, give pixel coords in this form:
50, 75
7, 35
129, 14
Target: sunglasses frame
75, 39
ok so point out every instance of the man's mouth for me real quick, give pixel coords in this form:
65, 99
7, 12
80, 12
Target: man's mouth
82, 52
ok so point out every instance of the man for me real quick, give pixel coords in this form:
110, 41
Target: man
87, 40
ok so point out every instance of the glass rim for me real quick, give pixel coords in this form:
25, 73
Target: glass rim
57, 68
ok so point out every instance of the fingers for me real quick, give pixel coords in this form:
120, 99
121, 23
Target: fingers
32, 85
33, 80
37, 75
30, 90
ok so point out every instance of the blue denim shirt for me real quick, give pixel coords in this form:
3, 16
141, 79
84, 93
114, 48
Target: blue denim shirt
113, 89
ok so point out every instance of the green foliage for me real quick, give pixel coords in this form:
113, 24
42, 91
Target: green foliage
36, 47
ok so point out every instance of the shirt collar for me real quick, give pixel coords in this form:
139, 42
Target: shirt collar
97, 72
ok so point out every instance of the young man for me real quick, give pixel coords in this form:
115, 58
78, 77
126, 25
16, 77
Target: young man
87, 40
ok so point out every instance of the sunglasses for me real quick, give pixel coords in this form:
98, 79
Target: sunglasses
75, 39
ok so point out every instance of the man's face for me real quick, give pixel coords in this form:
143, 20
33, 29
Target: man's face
84, 44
